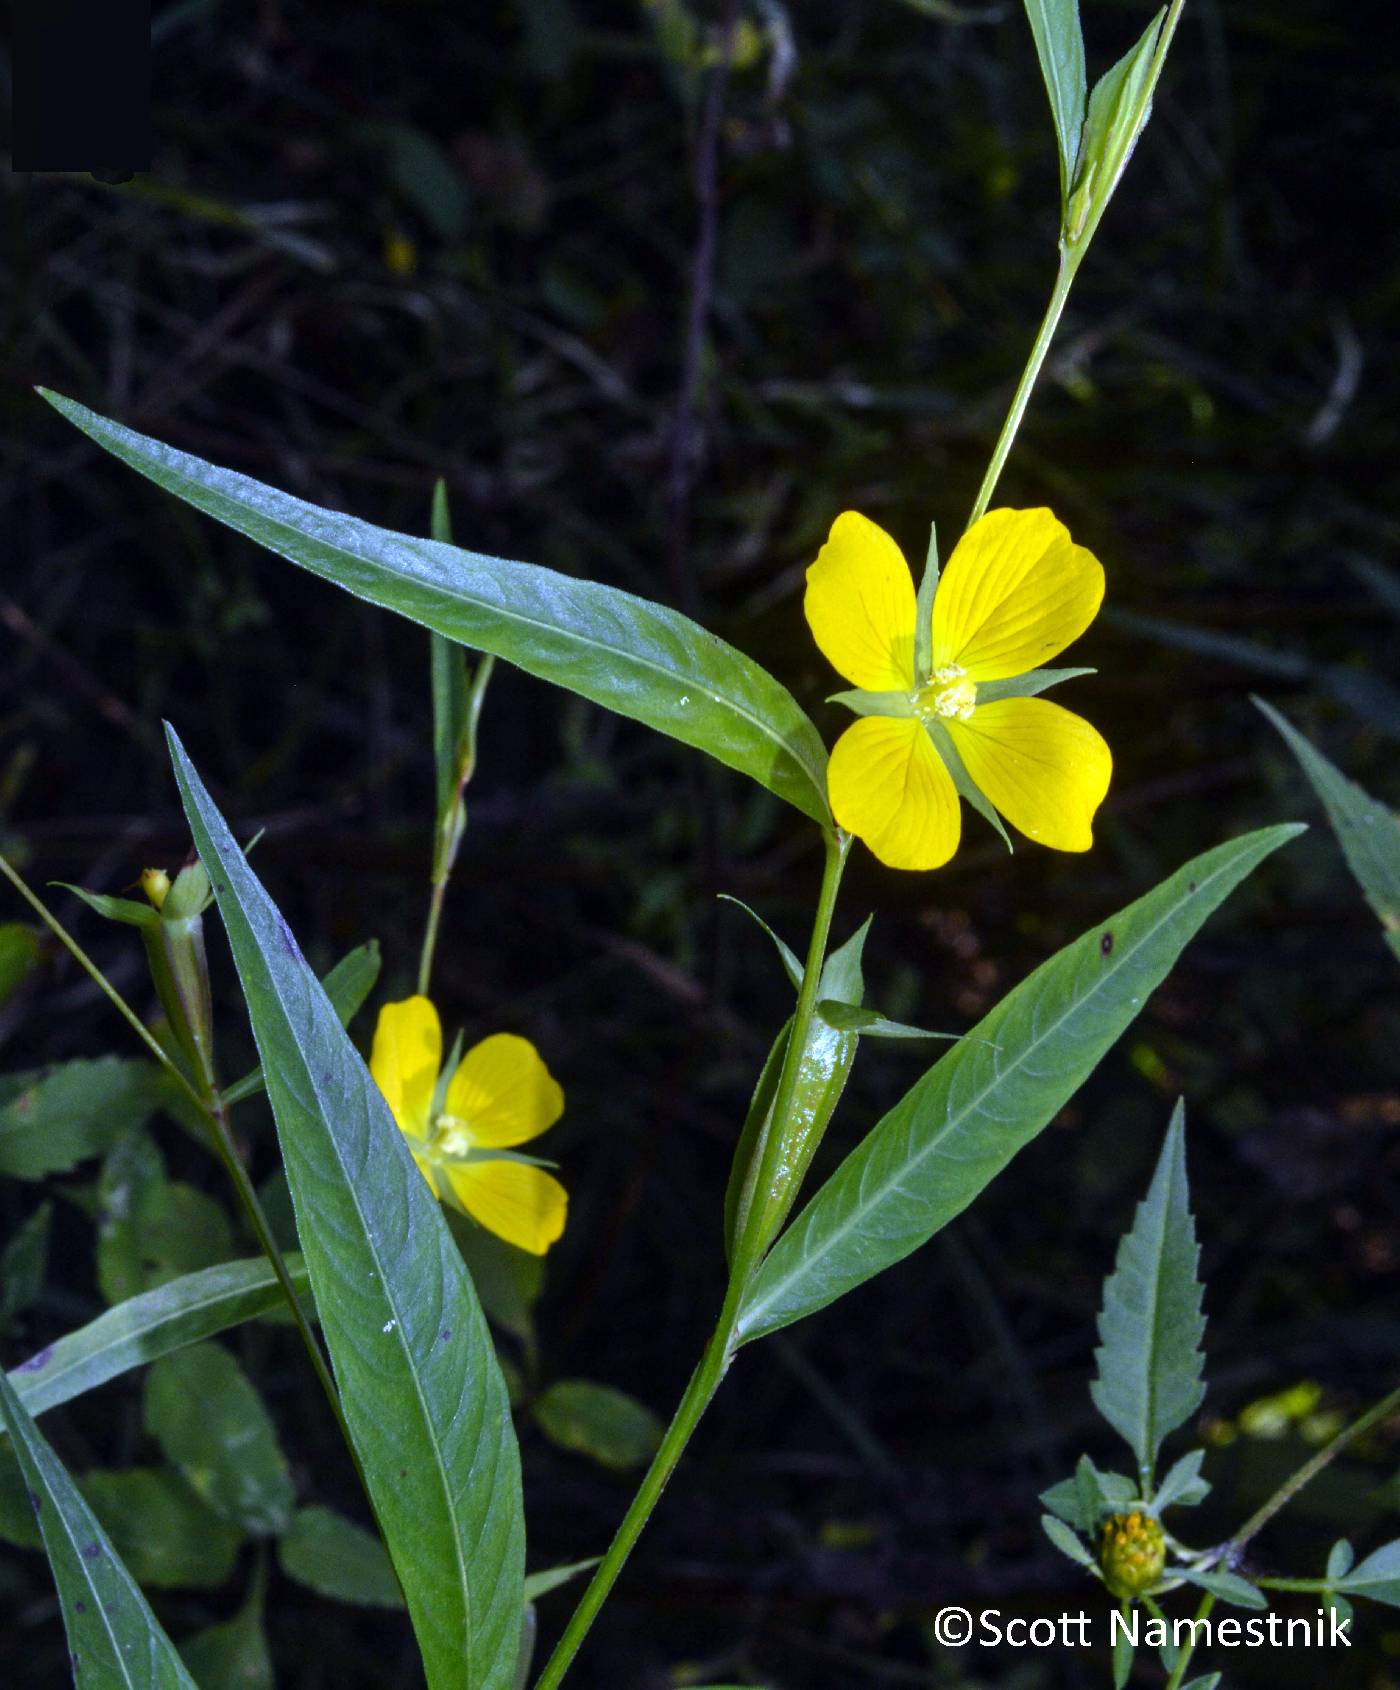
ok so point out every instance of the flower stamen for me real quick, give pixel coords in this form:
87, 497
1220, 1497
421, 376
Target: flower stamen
949, 694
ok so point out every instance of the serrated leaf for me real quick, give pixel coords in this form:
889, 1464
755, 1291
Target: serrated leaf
1368, 832
330, 1554
1377, 1577
1229, 1587
1059, 44
211, 1425
1183, 1486
1066, 1541
625, 653
604, 1424
180, 1312
1149, 1358
114, 1639
421, 1388
990, 1095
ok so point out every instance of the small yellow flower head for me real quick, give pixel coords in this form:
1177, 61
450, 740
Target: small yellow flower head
1015, 593
1132, 1552
155, 883
500, 1095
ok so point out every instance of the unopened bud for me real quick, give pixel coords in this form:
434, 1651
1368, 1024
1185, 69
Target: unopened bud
1132, 1552
155, 883
190, 894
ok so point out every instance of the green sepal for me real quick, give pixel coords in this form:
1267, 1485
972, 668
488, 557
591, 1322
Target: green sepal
967, 788
875, 703
1027, 685
126, 910
923, 611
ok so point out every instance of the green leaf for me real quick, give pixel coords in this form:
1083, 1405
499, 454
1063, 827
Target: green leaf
738, 1193
861, 703
1029, 685
61, 1116
550, 1578
991, 1094
113, 1637
792, 965
180, 1312
150, 1229
1183, 1486
422, 1392
1123, 1653
347, 985
1341, 1559
1082, 1501
1119, 108
1229, 1587
332, 1555
1066, 1541
508, 1281
1368, 832
21, 948
923, 611
162, 1530
211, 1424
22, 1265
129, 911
869, 1023
606, 1425
1150, 1328
233, 1655
1377, 1577
627, 654
1059, 43
1207, 1681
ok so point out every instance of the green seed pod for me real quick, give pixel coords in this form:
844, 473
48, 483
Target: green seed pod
1132, 1552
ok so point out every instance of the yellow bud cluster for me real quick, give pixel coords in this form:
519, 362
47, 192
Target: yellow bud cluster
1132, 1552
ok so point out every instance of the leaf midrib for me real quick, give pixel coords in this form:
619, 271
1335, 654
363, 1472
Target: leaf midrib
864, 1207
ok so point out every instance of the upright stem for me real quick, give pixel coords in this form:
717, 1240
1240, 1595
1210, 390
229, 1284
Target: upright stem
1069, 265
1183, 1659
748, 1253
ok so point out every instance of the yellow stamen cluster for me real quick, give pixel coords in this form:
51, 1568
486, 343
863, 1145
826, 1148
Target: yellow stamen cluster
949, 694
1132, 1552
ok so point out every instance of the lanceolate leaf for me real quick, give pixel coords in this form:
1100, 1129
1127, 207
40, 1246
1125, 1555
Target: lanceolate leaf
637, 658
180, 1312
1150, 1360
1368, 832
1060, 45
963, 1122
114, 1640
422, 1391
1377, 1577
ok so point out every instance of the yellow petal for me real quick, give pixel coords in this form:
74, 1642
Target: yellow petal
405, 1059
860, 606
425, 1167
1016, 592
889, 787
1044, 768
518, 1202
503, 1094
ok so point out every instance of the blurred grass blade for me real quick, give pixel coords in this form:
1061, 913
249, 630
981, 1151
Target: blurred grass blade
990, 1095
1150, 1327
113, 1637
625, 653
1059, 42
1367, 831
422, 1392
156, 1323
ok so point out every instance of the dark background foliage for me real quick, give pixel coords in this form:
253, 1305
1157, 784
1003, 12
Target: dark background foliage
396, 239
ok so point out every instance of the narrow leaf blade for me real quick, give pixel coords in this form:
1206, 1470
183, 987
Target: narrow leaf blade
1149, 1358
422, 1391
1059, 43
625, 653
113, 1637
990, 1095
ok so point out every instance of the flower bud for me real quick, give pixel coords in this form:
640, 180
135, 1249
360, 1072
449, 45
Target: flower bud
1132, 1552
155, 883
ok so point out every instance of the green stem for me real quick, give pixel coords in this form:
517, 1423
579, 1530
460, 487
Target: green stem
1387, 1406
748, 1253
1183, 1659
1069, 265
430, 933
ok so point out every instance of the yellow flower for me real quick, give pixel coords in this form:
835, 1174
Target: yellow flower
1016, 591
500, 1095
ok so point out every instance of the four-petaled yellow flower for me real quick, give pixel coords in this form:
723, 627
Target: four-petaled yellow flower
1015, 592
500, 1095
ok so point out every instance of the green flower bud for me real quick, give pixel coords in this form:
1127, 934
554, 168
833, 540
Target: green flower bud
1132, 1552
155, 883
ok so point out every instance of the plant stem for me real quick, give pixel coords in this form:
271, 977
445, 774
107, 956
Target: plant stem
748, 1254
1183, 1659
1387, 1406
1069, 265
